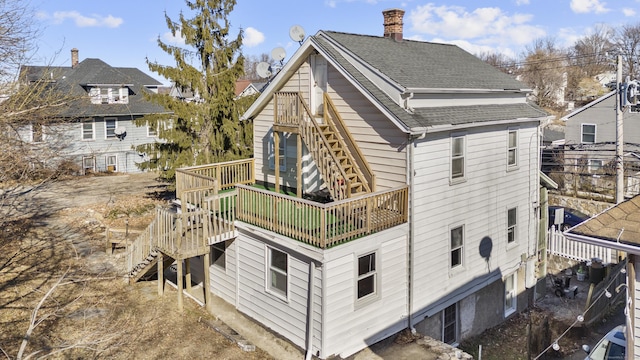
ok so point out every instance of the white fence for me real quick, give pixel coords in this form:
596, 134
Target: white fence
559, 245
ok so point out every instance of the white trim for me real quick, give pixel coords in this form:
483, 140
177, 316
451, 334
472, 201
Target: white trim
514, 166
456, 180
513, 292
453, 269
375, 295
595, 132
93, 129
114, 164
515, 227
268, 268
106, 133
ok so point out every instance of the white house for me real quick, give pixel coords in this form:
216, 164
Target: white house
425, 160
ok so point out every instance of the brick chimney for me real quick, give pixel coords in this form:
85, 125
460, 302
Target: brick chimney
74, 57
393, 23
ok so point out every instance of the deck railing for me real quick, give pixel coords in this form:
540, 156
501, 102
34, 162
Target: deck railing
322, 225
228, 174
141, 246
559, 245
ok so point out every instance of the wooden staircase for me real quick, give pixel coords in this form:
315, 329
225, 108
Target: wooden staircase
342, 166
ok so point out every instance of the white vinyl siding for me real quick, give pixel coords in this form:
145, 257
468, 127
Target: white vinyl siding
588, 134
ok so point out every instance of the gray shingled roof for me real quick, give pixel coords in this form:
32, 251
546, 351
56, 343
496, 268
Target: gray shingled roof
417, 74
96, 71
416, 64
608, 224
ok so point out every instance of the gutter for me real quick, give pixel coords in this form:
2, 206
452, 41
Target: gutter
632, 249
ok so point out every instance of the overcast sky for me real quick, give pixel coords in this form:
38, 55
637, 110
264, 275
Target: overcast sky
124, 33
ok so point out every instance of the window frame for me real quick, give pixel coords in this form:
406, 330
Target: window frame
447, 323
582, 133
510, 294
269, 272
106, 128
512, 148
512, 228
92, 122
455, 178
459, 248
593, 168
84, 164
152, 130
37, 136
107, 163
372, 272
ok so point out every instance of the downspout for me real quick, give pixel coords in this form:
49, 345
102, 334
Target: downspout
310, 311
410, 179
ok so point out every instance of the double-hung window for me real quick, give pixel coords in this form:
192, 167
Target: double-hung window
512, 151
110, 125
367, 276
88, 130
512, 221
588, 135
457, 157
450, 324
277, 272
457, 246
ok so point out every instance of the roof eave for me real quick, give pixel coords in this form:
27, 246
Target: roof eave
457, 127
462, 90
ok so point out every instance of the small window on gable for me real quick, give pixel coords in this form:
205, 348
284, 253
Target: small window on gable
457, 246
278, 272
512, 152
367, 276
588, 134
510, 294
457, 157
282, 148
512, 219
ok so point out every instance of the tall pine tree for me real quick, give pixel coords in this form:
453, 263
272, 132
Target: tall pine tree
208, 129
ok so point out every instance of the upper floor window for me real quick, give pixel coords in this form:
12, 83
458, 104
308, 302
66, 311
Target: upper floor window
110, 125
457, 244
282, 148
457, 157
588, 134
109, 95
512, 151
512, 220
37, 134
152, 129
367, 276
88, 130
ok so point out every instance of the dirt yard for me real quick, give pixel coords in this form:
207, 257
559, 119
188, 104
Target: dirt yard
62, 294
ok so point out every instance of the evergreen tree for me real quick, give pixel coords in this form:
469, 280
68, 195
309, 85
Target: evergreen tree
206, 130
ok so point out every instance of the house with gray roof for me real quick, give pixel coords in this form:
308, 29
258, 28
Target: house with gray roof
402, 192
97, 126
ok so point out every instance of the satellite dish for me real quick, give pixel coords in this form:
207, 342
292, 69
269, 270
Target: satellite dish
296, 33
263, 69
119, 130
278, 54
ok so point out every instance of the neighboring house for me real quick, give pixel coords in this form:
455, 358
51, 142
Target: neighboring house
618, 228
426, 162
590, 141
97, 128
248, 87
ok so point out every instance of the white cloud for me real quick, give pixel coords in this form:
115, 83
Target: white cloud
488, 28
178, 39
522, 2
588, 6
82, 20
252, 37
628, 12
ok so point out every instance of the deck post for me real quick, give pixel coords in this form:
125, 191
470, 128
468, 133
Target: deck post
299, 165
179, 282
276, 159
187, 276
160, 274
206, 283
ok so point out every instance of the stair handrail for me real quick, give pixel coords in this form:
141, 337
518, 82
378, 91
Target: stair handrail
333, 117
340, 187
